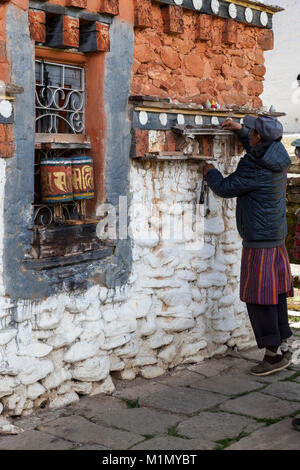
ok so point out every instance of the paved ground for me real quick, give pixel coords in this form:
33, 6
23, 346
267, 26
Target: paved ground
209, 406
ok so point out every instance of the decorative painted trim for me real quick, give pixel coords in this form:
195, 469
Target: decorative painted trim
243, 11
149, 118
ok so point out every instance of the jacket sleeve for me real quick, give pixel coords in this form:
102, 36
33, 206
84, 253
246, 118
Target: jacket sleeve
241, 182
244, 136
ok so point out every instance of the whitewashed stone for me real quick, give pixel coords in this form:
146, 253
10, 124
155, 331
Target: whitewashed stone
116, 364
116, 342
32, 369
148, 242
151, 372
7, 428
214, 226
92, 370
64, 388
110, 314
57, 378
168, 354
93, 329
49, 320
175, 325
82, 388
63, 400
127, 374
7, 385
82, 350
7, 335
226, 324
144, 361
211, 279
1, 409
149, 327
160, 339
78, 304
196, 294
15, 402
172, 297
130, 350
226, 301
232, 247
193, 348
215, 294
119, 327
221, 337
229, 237
140, 306
64, 339
35, 349
206, 252
186, 275
161, 272
35, 390
161, 283
106, 387
199, 309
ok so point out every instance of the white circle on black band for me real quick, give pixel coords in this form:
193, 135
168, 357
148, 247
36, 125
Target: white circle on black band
197, 4
232, 10
215, 6
249, 15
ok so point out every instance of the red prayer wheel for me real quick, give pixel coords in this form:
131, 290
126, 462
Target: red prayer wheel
83, 177
56, 180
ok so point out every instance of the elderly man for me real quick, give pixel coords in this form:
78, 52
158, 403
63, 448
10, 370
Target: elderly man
259, 183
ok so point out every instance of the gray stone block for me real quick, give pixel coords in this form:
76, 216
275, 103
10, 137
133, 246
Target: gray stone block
139, 420
285, 390
279, 436
217, 426
34, 440
259, 405
80, 430
228, 385
174, 443
179, 400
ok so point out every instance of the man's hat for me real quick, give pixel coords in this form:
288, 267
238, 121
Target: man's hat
269, 128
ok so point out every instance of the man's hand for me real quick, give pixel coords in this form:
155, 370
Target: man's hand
207, 167
230, 125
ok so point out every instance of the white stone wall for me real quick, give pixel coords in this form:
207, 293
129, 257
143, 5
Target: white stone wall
181, 305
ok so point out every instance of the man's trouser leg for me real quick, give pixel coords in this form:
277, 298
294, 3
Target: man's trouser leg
270, 322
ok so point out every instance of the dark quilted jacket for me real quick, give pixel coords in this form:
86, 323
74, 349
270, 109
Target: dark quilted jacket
260, 187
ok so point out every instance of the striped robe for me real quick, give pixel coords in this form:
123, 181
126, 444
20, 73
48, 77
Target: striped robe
265, 273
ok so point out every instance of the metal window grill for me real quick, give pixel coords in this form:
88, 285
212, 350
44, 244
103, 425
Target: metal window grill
60, 98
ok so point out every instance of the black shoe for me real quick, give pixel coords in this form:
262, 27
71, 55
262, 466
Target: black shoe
296, 424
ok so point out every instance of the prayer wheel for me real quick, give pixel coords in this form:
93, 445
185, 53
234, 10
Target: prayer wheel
56, 180
83, 177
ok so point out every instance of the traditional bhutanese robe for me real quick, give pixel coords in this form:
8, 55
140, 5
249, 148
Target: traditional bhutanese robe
265, 273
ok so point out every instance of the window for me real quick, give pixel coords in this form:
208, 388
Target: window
60, 98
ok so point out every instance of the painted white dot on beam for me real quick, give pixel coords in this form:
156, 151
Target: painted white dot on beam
6, 109
198, 120
215, 6
232, 10
264, 19
249, 15
163, 119
215, 120
143, 117
198, 4
178, 2
180, 119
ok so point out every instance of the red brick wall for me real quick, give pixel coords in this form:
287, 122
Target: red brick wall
211, 58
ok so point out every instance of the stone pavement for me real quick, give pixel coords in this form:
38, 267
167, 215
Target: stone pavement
212, 405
